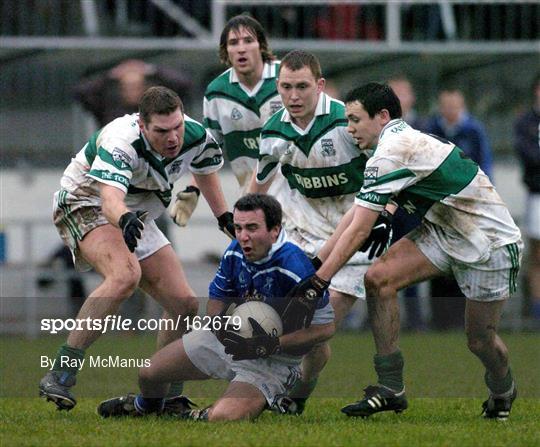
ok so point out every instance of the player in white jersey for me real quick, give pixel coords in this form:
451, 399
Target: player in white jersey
110, 195
323, 169
467, 231
237, 103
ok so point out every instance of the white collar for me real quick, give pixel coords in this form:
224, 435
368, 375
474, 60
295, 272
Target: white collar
391, 123
323, 108
269, 71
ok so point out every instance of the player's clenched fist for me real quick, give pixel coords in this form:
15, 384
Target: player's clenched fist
184, 205
132, 224
303, 299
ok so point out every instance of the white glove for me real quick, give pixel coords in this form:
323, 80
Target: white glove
185, 204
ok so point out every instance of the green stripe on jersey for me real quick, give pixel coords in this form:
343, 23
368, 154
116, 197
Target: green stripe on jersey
110, 176
211, 124
331, 181
266, 170
108, 158
222, 88
242, 143
90, 150
392, 176
275, 128
452, 175
205, 162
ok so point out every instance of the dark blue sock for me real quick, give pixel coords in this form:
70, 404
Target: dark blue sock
146, 405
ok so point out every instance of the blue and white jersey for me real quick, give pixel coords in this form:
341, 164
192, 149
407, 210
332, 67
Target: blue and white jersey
268, 280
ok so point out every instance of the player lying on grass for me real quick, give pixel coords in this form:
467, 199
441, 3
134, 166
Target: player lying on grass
260, 265
466, 231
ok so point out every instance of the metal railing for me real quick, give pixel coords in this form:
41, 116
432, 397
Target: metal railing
407, 25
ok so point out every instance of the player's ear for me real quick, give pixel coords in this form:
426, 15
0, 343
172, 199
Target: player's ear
141, 124
385, 115
275, 232
320, 85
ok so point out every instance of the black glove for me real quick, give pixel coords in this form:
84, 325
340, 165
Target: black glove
132, 224
380, 234
226, 224
260, 345
316, 263
303, 299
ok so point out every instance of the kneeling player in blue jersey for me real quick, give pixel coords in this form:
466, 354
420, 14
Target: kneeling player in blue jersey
260, 265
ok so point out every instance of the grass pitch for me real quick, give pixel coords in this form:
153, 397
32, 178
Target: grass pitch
444, 385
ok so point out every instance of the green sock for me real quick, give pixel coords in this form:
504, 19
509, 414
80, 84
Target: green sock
390, 370
302, 390
175, 389
501, 386
68, 359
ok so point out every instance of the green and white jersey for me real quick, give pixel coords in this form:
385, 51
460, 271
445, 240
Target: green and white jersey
433, 178
322, 166
234, 115
119, 155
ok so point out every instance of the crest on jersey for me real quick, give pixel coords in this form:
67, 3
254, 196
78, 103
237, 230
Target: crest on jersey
242, 278
253, 295
370, 175
268, 283
235, 114
175, 166
275, 106
120, 158
328, 147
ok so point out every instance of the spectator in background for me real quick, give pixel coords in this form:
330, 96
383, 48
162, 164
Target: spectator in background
404, 90
527, 143
403, 221
61, 259
117, 92
454, 123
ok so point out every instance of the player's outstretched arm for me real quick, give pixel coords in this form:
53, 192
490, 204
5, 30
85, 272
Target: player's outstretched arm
302, 341
348, 242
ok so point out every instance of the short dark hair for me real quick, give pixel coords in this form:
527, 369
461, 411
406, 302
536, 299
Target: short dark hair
375, 97
298, 59
251, 25
268, 204
160, 101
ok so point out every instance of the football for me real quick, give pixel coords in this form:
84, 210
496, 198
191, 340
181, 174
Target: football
261, 312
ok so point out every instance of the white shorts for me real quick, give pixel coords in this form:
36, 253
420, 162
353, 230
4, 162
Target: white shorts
74, 222
532, 216
350, 279
490, 280
274, 378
